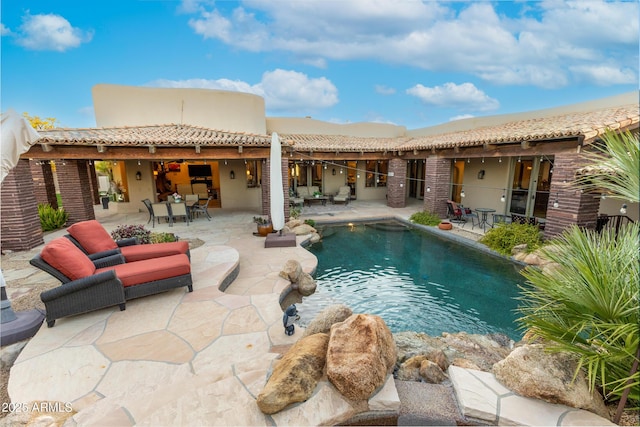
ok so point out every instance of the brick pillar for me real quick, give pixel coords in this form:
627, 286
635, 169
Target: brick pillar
574, 207
266, 187
75, 190
43, 184
438, 180
93, 183
19, 220
396, 181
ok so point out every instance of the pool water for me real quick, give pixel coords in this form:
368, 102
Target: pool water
414, 280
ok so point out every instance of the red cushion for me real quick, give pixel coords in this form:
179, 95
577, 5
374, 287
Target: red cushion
92, 236
150, 270
67, 258
156, 250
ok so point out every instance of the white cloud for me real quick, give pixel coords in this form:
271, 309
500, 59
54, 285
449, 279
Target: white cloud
541, 43
464, 97
461, 117
385, 90
605, 75
283, 90
50, 32
4, 31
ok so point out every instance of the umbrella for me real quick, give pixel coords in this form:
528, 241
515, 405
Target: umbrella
17, 137
276, 191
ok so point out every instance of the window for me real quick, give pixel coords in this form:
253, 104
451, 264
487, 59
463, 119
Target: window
377, 173
253, 170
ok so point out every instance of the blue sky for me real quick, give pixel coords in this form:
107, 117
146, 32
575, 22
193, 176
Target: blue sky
405, 62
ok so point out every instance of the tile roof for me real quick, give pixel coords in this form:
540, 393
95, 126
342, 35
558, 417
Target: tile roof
160, 135
587, 125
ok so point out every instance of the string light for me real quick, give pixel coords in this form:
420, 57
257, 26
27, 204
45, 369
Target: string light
555, 202
499, 159
503, 198
428, 189
462, 193
623, 209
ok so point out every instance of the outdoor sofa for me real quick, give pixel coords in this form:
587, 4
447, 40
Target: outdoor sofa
94, 240
89, 285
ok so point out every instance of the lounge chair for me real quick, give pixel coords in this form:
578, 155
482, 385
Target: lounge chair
91, 285
95, 242
343, 195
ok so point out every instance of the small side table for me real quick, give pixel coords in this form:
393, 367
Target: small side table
484, 212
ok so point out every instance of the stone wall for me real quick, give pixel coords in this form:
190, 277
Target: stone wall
75, 190
396, 183
438, 181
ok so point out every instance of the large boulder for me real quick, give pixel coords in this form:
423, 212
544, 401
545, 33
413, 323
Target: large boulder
428, 368
296, 375
335, 313
532, 372
360, 356
303, 229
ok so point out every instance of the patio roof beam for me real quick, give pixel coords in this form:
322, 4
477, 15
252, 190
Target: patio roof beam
46, 148
142, 152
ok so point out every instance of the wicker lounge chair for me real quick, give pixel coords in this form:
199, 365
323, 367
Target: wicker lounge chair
91, 285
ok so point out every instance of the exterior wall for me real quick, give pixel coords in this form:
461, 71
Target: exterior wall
93, 182
43, 183
486, 192
19, 221
234, 192
117, 105
396, 191
75, 191
309, 126
610, 206
438, 178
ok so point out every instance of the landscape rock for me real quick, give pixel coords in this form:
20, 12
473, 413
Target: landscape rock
303, 229
465, 363
518, 249
293, 223
481, 351
409, 370
431, 373
315, 238
291, 271
532, 372
306, 285
324, 319
360, 355
296, 375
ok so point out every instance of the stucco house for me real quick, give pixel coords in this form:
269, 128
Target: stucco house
161, 140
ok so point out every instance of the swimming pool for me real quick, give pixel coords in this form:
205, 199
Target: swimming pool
414, 280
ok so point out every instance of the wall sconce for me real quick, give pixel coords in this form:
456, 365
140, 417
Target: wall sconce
138, 176
232, 175
481, 174
333, 171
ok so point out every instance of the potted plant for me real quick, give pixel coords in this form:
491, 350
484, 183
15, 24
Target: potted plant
317, 194
264, 225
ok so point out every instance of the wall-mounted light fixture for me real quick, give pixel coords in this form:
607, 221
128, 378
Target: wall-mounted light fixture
333, 171
138, 176
232, 175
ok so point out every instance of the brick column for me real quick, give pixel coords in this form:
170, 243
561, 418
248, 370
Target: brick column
19, 220
266, 186
438, 180
574, 207
396, 191
43, 184
75, 190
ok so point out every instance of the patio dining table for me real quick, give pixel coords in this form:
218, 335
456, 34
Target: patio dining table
483, 214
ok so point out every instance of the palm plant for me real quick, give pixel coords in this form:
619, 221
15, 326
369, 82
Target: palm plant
588, 304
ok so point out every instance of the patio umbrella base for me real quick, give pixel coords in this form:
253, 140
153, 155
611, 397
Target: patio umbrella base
24, 326
277, 240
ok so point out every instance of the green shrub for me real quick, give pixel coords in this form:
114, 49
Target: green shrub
425, 218
294, 212
128, 231
310, 222
162, 237
504, 237
588, 304
50, 218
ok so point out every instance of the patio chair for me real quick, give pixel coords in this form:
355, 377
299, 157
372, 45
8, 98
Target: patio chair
191, 199
463, 214
201, 208
201, 190
178, 210
161, 210
344, 195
